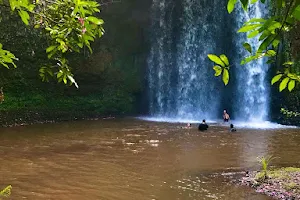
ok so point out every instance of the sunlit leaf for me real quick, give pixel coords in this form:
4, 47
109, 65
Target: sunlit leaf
95, 20
255, 20
251, 58
51, 48
225, 76
24, 16
216, 59
283, 83
288, 63
6, 191
276, 78
271, 53
250, 27
291, 85
230, 5
224, 59
253, 34
65, 80
218, 70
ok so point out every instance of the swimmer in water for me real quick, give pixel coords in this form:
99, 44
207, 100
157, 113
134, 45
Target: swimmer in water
226, 116
189, 125
203, 126
232, 129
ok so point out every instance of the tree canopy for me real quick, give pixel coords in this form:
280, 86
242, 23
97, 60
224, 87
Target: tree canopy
69, 26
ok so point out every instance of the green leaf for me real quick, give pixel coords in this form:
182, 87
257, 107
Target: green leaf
253, 34
250, 58
248, 47
263, 46
225, 76
230, 5
244, 4
253, 1
216, 59
256, 20
283, 83
65, 79
288, 63
51, 48
276, 42
95, 20
59, 74
271, 53
24, 16
264, 35
250, 27
276, 78
296, 12
5, 65
291, 85
218, 70
6, 191
224, 59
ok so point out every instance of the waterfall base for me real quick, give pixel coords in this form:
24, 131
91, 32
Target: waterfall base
237, 124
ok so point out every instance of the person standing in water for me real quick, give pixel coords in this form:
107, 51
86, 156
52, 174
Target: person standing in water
226, 116
203, 126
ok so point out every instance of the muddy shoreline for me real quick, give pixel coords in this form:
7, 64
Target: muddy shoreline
13, 119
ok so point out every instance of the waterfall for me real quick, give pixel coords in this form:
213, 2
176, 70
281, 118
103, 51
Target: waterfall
181, 82
160, 92
252, 93
180, 77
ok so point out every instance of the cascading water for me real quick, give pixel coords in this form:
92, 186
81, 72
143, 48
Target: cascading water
181, 80
252, 102
159, 79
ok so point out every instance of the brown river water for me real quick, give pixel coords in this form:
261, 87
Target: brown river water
129, 159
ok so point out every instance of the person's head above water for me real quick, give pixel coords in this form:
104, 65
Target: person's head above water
231, 125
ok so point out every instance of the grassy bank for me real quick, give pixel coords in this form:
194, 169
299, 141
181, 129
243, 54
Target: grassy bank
283, 183
32, 107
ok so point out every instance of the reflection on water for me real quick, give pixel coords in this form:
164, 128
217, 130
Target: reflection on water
131, 159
